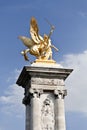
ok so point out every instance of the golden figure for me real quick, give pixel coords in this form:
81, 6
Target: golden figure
37, 45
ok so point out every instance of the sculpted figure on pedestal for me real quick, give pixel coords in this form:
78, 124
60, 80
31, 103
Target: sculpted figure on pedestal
37, 45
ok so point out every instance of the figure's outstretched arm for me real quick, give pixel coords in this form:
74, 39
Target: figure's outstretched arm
54, 47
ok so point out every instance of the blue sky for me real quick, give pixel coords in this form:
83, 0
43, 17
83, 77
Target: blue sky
70, 35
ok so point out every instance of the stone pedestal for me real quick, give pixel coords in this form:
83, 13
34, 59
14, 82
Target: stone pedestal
44, 96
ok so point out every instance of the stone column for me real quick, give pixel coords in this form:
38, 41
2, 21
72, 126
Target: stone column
59, 109
28, 117
35, 110
26, 102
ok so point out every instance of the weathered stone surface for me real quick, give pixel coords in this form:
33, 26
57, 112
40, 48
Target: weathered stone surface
44, 96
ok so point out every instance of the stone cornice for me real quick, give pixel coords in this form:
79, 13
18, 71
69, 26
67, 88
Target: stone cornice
30, 71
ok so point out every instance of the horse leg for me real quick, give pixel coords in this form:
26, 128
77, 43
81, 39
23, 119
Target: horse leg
24, 53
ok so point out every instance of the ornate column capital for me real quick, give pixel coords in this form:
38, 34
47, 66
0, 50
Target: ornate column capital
31, 93
35, 92
60, 94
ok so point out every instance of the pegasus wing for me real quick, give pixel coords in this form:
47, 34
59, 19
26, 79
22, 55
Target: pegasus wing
34, 31
27, 41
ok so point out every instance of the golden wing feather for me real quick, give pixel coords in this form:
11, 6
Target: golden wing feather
34, 31
27, 41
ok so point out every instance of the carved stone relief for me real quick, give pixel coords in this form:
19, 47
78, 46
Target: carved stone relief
47, 114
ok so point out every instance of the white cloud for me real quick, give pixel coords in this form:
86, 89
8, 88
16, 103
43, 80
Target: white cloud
13, 75
82, 14
76, 83
11, 101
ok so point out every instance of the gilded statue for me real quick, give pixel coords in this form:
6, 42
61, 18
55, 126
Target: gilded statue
37, 45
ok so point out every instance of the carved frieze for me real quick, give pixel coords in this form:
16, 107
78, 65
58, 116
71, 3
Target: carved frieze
45, 81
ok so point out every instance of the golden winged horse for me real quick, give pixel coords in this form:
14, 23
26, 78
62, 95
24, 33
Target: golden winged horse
37, 45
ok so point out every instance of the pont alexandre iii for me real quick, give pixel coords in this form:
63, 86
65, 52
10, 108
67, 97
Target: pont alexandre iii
43, 82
